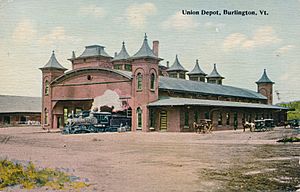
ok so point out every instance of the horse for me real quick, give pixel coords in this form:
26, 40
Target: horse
249, 125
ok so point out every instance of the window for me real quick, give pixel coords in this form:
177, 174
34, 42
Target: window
46, 87
227, 119
186, 118
46, 116
152, 81
182, 75
173, 75
139, 81
89, 77
128, 67
139, 118
117, 66
220, 119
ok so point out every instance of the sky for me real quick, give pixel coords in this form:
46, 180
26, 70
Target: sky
241, 46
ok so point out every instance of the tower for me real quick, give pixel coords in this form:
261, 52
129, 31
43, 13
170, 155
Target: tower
265, 87
50, 71
214, 77
177, 70
92, 56
144, 84
120, 61
197, 74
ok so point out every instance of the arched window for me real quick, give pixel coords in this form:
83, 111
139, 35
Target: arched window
139, 118
152, 81
139, 81
46, 116
46, 87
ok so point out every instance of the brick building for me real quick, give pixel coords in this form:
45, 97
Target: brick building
155, 96
19, 110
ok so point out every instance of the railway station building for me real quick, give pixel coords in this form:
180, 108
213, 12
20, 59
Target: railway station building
156, 97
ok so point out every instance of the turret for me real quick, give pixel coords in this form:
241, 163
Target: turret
197, 74
177, 70
121, 60
50, 71
92, 56
214, 77
144, 84
265, 87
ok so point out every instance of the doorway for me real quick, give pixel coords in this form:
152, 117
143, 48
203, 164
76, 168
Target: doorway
163, 120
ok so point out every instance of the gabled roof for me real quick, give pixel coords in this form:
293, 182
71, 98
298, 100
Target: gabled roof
172, 101
53, 63
145, 51
182, 85
94, 51
214, 73
123, 55
20, 104
197, 70
177, 66
264, 78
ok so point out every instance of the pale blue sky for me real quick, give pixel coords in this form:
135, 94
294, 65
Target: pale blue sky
241, 46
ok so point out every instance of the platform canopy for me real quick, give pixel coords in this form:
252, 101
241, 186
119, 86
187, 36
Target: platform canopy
172, 101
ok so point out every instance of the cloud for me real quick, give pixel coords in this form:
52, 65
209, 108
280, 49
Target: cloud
214, 26
92, 10
24, 31
136, 14
57, 34
284, 49
263, 36
180, 22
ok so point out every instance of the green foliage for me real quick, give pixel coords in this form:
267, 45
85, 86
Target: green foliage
289, 139
29, 177
294, 109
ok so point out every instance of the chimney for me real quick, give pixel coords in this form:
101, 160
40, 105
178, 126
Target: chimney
168, 64
116, 54
155, 47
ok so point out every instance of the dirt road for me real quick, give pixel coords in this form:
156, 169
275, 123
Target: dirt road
221, 161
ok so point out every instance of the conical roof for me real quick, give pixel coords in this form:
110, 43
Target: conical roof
145, 51
214, 73
123, 55
53, 63
264, 78
197, 70
177, 66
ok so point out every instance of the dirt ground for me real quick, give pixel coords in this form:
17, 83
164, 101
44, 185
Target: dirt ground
160, 161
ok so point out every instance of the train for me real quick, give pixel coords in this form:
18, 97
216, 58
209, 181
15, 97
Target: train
96, 122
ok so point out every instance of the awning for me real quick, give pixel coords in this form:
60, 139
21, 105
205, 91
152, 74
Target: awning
172, 101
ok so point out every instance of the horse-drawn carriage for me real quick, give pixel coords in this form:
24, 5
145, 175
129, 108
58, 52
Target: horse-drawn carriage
204, 126
264, 125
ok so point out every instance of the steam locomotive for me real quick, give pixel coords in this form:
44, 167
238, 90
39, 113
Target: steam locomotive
95, 122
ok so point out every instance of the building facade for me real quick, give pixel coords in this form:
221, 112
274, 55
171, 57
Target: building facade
156, 97
19, 110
